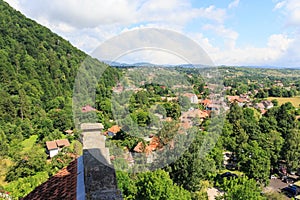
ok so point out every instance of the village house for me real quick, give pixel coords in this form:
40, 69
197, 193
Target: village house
268, 104
148, 149
206, 102
69, 132
118, 89
88, 108
139, 148
212, 107
192, 97
278, 84
188, 118
54, 147
240, 100
192, 114
264, 105
168, 99
259, 106
113, 130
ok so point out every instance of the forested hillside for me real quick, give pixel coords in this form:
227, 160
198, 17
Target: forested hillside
37, 67
37, 73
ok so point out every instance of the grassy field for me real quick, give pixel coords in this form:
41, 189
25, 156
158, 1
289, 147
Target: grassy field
28, 143
4, 166
281, 100
6, 163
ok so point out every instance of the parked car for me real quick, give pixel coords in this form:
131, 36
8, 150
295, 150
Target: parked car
228, 175
290, 191
273, 177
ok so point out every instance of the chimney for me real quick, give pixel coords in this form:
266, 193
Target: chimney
99, 175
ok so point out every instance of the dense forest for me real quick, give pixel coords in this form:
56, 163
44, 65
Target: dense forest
37, 73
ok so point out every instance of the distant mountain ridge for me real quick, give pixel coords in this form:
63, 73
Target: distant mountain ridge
147, 64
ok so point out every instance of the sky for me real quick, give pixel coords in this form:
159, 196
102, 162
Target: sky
232, 32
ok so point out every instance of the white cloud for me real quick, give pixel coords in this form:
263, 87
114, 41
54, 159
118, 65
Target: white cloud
83, 21
88, 23
274, 51
291, 10
14, 4
234, 4
92, 13
278, 50
229, 35
279, 5
81, 13
204, 42
279, 42
152, 56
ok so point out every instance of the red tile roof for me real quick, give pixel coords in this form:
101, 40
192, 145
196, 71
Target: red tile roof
57, 143
236, 98
154, 143
139, 148
88, 108
63, 143
114, 129
263, 112
60, 186
51, 145
206, 102
194, 113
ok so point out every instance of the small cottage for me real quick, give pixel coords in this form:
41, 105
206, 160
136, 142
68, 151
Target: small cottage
53, 147
192, 97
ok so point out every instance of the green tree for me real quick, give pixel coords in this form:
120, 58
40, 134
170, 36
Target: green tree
254, 161
184, 102
241, 188
158, 185
172, 110
193, 167
291, 150
272, 142
127, 185
275, 102
29, 164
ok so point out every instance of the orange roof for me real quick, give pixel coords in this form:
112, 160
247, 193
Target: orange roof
263, 111
235, 98
206, 101
63, 143
114, 129
51, 145
232, 98
154, 143
139, 148
195, 113
201, 114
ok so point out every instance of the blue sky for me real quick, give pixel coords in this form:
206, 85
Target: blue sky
232, 32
